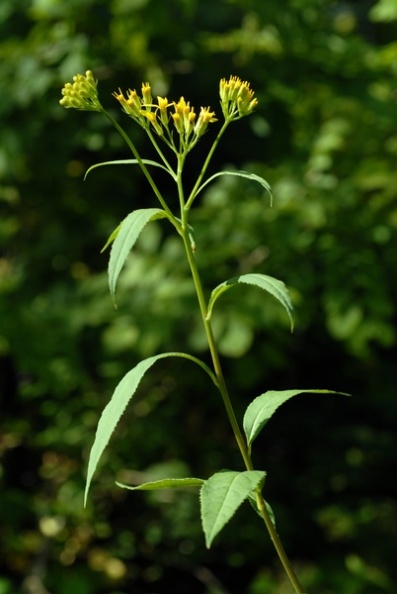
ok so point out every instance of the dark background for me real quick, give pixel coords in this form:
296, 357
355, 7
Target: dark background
324, 136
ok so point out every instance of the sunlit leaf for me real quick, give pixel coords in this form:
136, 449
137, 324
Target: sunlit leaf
246, 175
264, 406
111, 238
114, 410
221, 496
128, 162
275, 287
125, 239
168, 483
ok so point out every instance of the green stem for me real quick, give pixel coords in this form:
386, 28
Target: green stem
196, 186
181, 194
183, 229
229, 407
141, 164
278, 544
160, 153
214, 352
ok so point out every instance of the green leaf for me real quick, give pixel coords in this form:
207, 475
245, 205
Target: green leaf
112, 237
272, 285
264, 406
169, 483
114, 410
126, 238
221, 496
245, 174
252, 500
129, 162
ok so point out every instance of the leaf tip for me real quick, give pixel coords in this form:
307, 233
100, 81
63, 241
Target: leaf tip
85, 496
113, 297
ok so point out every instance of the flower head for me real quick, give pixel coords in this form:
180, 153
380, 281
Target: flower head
146, 94
152, 118
183, 118
82, 93
163, 105
131, 104
162, 116
205, 117
237, 98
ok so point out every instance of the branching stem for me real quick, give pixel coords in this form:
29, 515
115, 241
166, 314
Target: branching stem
142, 165
241, 442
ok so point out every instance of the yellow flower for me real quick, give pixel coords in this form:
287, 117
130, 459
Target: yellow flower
147, 94
82, 94
131, 104
178, 122
157, 116
237, 98
205, 117
184, 117
163, 105
152, 117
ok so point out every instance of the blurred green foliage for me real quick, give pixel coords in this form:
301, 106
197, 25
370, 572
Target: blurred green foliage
324, 136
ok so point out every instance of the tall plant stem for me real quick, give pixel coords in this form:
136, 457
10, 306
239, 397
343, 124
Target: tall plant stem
229, 407
214, 354
278, 545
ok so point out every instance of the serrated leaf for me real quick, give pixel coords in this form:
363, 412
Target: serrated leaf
275, 287
111, 238
128, 162
170, 483
264, 406
125, 239
221, 496
114, 410
246, 174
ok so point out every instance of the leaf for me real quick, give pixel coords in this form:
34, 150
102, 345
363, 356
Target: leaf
252, 500
264, 406
169, 483
272, 285
246, 174
116, 231
114, 410
111, 238
129, 162
126, 238
221, 496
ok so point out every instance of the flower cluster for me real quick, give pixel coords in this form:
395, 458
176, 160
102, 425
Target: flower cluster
159, 115
82, 94
237, 98
135, 106
184, 118
164, 117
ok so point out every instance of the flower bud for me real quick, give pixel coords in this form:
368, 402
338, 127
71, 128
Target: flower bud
237, 98
205, 117
82, 94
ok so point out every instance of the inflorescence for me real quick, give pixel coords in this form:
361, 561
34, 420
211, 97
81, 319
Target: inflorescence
164, 117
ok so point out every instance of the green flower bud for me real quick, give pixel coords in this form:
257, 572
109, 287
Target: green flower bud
237, 98
82, 94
